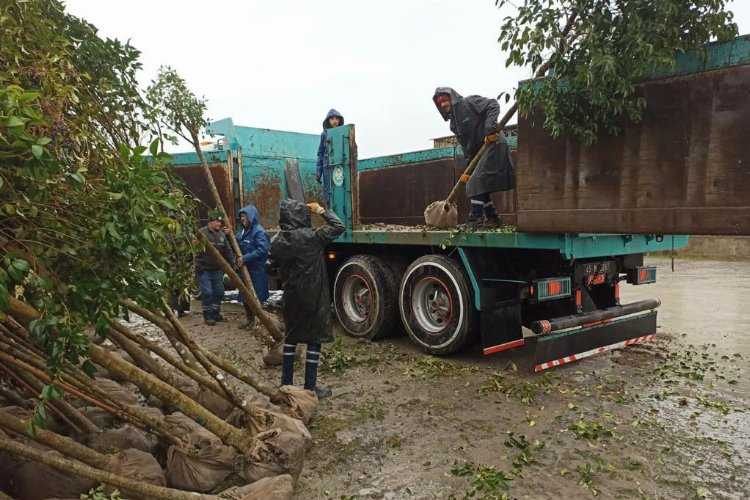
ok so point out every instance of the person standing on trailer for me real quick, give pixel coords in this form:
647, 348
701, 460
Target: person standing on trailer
208, 271
474, 121
298, 249
254, 244
323, 171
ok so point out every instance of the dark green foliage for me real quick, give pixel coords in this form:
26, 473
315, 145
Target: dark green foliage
609, 47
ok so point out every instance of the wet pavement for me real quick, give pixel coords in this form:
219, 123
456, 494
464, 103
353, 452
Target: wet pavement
703, 302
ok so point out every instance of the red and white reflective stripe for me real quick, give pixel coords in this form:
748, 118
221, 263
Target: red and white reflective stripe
503, 347
576, 357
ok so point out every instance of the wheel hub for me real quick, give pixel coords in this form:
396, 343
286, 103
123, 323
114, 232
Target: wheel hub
432, 305
356, 298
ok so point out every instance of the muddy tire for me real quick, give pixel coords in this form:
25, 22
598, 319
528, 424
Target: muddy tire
364, 297
435, 305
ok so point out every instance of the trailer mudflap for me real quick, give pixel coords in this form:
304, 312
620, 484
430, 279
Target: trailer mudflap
573, 344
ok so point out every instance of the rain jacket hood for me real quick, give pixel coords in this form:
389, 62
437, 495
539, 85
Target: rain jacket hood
251, 213
332, 112
293, 214
455, 97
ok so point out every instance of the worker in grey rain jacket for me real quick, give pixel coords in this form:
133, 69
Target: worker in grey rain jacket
474, 121
298, 249
208, 272
323, 171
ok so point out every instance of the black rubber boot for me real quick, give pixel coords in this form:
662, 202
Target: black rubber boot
208, 318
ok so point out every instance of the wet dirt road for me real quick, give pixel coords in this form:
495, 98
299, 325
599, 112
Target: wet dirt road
706, 301
663, 420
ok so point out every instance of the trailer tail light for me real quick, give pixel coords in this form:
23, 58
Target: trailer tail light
642, 275
552, 288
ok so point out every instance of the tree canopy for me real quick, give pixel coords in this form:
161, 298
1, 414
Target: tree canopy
87, 217
598, 50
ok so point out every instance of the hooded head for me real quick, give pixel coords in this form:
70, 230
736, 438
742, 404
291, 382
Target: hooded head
452, 96
293, 214
251, 213
332, 112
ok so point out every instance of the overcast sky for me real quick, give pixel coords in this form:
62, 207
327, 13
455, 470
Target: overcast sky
283, 63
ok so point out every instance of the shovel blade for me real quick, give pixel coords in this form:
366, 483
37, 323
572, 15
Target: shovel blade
441, 214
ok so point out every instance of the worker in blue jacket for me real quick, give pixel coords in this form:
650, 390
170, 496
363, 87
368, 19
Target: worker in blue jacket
324, 171
254, 245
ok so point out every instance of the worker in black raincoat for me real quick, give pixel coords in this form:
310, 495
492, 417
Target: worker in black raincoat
474, 121
298, 249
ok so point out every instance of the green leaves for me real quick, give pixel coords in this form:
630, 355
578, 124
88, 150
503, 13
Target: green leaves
590, 87
99, 220
37, 151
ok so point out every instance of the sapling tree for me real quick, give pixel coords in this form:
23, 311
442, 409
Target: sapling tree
182, 114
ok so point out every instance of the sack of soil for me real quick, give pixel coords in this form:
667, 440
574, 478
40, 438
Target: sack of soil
214, 403
269, 488
286, 423
126, 394
101, 418
297, 402
138, 465
36, 481
274, 452
123, 438
203, 462
26, 414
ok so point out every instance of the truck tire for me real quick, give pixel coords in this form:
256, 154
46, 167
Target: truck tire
364, 297
435, 304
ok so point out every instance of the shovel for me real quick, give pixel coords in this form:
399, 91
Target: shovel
443, 214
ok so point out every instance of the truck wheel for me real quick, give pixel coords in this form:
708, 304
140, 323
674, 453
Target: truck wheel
365, 297
435, 304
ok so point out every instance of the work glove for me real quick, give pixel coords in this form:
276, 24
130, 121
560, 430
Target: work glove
316, 208
319, 179
490, 138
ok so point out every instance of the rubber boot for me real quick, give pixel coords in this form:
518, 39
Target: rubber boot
491, 219
208, 318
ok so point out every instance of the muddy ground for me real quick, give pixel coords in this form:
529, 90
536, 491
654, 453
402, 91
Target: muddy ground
668, 419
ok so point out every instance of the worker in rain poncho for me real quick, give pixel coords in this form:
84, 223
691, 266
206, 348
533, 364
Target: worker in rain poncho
474, 121
254, 244
324, 171
298, 249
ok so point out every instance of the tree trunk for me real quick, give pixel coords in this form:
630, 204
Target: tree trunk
34, 378
83, 470
141, 357
63, 444
252, 381
148, 383
247, 291
169, 358
169, 332
220, 379
222, 363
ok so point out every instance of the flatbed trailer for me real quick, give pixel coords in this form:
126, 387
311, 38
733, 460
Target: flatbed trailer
501, 288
